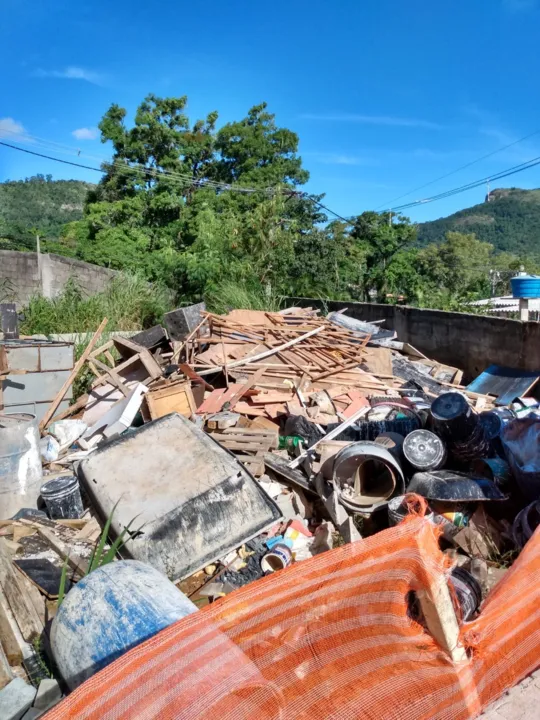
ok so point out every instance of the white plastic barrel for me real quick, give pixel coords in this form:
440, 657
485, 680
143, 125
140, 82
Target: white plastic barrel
110, 611
21, 475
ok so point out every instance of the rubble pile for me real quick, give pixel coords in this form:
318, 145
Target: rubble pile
222, 448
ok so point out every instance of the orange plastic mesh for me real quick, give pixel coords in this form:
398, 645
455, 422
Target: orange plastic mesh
327, 638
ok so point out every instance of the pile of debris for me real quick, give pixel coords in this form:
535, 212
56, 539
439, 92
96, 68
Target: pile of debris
242, 443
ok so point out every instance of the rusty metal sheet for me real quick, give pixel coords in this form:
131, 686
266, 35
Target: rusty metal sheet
506, 384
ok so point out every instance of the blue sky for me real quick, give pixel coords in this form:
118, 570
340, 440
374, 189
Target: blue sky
385, 96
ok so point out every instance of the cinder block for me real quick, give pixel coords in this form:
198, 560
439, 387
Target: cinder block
15, 699
48, 694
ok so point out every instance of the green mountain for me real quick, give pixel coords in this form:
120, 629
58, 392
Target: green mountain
38, 204
509, 219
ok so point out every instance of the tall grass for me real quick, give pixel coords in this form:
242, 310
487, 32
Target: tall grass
230, 296
129, 302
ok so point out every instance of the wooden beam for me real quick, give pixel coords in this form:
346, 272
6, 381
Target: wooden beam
441, 618
24, 611
77, 368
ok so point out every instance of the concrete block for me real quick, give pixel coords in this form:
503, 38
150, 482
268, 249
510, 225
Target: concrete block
48, 694
15, 699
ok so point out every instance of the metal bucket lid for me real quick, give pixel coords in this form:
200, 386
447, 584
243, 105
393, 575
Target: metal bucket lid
424, 450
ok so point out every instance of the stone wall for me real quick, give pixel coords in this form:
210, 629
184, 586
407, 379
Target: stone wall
469, 342
23, 275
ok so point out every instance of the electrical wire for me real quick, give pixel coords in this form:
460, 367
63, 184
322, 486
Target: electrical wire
459, 169
470, 186
154, 172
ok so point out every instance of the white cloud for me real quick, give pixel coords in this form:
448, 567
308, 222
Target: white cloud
86, 133
12, 130
72, 73
375, 120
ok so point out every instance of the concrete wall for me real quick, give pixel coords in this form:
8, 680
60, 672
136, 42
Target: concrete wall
23, 275
470, 342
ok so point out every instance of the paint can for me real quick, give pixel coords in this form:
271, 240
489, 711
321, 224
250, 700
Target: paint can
62, 496
468, 592
424, 450
459, 426
278, 559
453, 416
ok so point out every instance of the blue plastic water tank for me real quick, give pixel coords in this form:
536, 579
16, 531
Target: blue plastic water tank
526, 286
111, 610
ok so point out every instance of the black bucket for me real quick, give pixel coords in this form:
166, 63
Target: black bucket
453, 416
424, 450
468, 591
460, 427
62, 496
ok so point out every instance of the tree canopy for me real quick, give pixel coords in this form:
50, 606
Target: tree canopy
197, 206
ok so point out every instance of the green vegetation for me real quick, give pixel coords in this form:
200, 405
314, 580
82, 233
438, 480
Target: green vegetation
510, 221
38, 206
220, 215
129, 302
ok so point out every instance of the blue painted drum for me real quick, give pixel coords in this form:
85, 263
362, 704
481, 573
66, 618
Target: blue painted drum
111, 610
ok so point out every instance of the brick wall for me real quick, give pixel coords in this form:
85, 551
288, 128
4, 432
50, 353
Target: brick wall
20, 276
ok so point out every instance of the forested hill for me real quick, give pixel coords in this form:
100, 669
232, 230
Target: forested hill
38, 204
510, 221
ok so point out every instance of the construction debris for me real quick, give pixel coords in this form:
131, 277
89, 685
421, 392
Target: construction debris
222, 448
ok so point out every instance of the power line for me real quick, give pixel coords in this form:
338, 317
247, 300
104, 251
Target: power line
470, 186
137, 167
459, 169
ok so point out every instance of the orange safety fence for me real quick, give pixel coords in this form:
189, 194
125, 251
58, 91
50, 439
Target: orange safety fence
330, 637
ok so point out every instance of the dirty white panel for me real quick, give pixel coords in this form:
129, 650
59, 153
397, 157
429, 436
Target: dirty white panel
23, 358
194, 500
34, 387
56, 357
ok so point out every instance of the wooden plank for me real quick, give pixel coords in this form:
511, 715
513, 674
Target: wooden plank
268, 353
258, 432
213, 403
77, 368
255, 446
80, 404
24, 611
192, 375
113, 376
11, 639
6, 675
230, 404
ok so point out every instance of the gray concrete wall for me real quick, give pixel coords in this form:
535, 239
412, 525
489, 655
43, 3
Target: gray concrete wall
23, 275
470, 342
